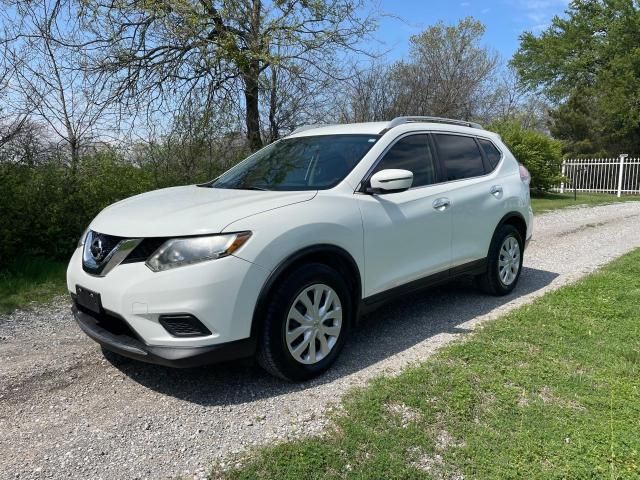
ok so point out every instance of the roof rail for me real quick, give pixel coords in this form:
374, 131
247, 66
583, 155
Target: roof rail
309, 127
402, 120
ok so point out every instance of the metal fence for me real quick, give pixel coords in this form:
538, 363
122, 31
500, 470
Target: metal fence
606, 175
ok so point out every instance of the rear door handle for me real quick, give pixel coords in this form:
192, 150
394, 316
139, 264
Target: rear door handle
496, 190
441, 204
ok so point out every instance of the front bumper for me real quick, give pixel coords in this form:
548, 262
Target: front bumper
129, 346
221, 294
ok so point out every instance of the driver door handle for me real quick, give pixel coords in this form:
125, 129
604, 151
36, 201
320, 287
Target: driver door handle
441, 204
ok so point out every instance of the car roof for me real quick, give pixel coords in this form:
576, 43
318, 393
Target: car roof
368, 128
377, 128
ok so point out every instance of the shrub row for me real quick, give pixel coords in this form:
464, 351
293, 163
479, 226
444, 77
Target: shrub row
44, 208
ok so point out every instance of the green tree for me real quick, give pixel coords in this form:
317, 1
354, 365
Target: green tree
541, 154
589, 63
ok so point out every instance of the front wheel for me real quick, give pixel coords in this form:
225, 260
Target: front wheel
306, 323
504, 262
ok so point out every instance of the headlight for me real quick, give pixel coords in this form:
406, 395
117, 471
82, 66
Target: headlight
83, 237
185, 251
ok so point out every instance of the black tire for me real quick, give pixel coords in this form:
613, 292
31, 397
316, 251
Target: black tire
490, 281
273, 353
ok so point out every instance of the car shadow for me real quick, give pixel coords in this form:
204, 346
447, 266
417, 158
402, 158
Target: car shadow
393, 328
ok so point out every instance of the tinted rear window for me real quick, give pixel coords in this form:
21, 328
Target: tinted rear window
460, 155
492, 153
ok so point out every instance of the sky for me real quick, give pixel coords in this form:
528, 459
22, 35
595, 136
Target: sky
504, 20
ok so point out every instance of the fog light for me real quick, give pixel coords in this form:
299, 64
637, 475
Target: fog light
183, 325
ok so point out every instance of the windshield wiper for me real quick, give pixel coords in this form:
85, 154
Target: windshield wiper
250, 187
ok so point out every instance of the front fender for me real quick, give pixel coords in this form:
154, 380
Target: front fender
325, 220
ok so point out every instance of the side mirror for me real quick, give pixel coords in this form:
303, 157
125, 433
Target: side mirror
390, 180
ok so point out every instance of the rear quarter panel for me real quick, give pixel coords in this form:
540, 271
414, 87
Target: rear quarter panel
477, 212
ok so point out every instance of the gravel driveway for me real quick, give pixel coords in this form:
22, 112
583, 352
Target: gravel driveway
66, 412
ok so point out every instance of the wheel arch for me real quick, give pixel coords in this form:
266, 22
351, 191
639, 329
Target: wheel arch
516, 219
331, 255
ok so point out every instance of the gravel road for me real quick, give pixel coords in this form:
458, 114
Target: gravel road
67, 412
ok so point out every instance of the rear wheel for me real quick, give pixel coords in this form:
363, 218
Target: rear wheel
504, 262
306, 323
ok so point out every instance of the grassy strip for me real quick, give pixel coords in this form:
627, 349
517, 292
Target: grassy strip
31, 280
551, 390
544, 202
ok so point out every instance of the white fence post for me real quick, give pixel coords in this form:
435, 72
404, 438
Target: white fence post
620, 177
562, 173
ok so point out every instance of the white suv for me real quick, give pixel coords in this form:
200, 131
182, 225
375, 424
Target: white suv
279, 256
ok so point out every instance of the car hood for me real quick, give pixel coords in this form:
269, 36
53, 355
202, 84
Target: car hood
189, 210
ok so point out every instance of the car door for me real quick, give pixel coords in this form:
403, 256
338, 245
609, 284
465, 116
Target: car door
476, 195
407, 235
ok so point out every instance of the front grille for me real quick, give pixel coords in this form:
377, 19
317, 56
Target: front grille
97, 248
109, 242
183, 326
145, 249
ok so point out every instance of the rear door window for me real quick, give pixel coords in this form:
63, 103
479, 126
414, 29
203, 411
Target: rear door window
460, 156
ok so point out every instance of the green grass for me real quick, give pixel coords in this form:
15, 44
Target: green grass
551, 390
544, 202
30, 280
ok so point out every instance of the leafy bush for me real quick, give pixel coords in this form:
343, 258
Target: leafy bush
541, 154
47, 203
46, 207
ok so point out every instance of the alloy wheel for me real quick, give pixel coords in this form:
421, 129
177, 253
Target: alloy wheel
509, 260
313, 324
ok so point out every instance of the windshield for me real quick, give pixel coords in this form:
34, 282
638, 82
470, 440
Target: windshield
303, 163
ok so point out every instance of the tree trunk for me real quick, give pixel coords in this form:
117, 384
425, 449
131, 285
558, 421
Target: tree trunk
252, 118
251, 77
75, 154
274, 131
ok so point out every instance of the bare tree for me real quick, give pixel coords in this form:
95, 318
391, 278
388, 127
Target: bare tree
290, 99
370, 95
195, 144
448, 73
508, 95
12, 120
507, 100
161, 49
50, 75
30, 146
43, 48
